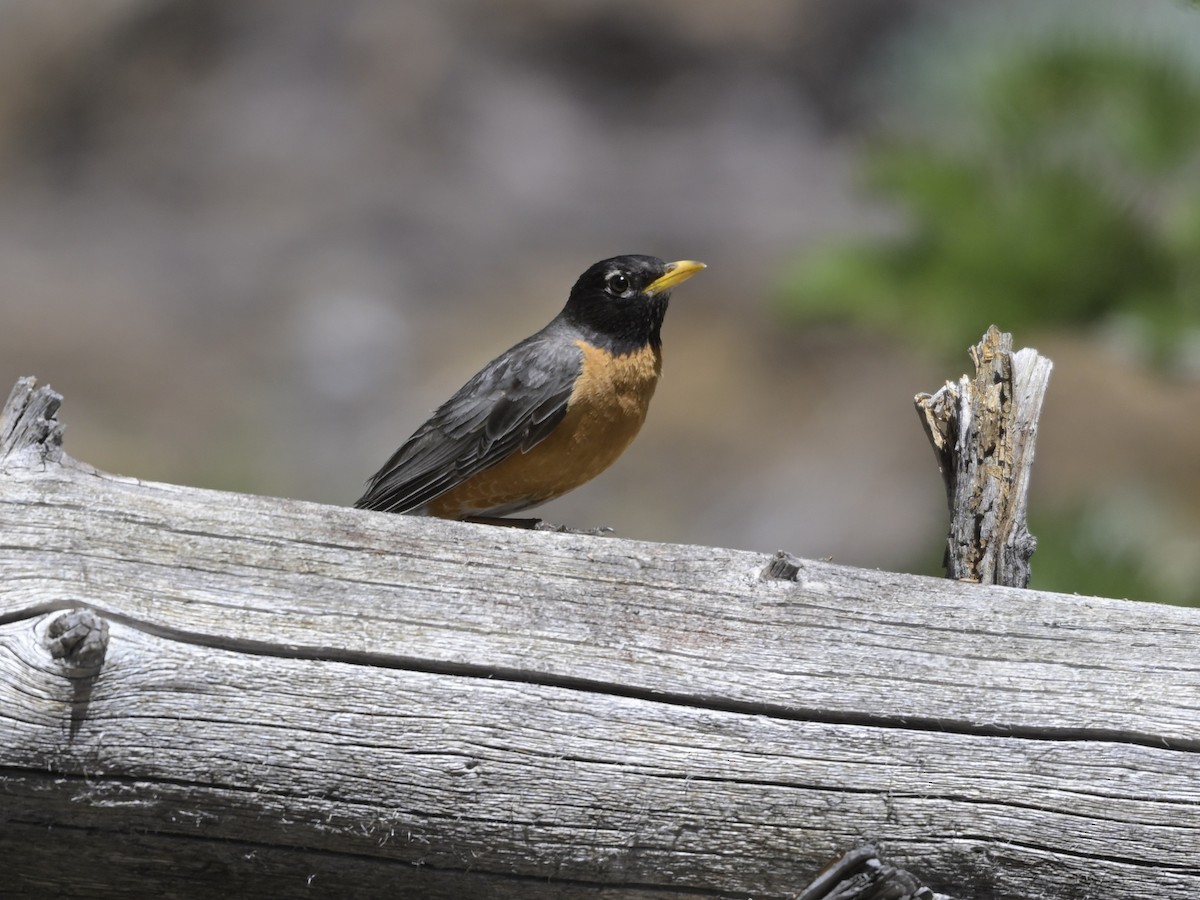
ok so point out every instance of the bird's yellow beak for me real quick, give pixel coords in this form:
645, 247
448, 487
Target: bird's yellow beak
676, 272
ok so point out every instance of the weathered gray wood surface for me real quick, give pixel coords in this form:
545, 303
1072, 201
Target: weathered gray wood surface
302, 700
984, 429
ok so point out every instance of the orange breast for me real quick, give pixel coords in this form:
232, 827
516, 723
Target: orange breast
604, 414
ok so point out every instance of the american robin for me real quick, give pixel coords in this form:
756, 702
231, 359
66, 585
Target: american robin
549, 414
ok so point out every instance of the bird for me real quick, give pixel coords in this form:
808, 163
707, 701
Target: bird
548, 414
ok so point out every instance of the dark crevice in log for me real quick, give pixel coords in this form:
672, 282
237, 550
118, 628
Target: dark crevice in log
1180, 868
583, 685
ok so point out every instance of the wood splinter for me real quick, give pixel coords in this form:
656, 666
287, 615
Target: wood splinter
29, 423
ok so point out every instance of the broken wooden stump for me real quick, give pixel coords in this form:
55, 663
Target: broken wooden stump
983, 429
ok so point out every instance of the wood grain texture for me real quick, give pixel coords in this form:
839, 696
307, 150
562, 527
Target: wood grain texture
301, 700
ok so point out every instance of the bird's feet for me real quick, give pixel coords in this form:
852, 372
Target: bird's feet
536, 525
505, 521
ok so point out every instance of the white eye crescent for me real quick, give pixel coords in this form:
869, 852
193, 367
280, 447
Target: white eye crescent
617, 283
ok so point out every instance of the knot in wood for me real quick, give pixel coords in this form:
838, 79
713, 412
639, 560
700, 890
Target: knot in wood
78, 638
782, 567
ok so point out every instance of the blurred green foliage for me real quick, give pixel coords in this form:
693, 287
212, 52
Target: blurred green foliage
1065, 196
1129, 543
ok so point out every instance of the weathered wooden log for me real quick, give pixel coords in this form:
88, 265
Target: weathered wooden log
983, 430
205, 694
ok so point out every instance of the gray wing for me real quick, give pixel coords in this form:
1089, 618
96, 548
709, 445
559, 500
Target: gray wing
512, 404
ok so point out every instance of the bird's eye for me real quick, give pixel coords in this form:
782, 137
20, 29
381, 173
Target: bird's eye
617, 283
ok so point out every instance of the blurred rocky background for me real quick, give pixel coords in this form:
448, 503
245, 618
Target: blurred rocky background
254, 242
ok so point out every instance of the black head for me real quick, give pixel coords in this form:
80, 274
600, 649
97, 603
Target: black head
621, 301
